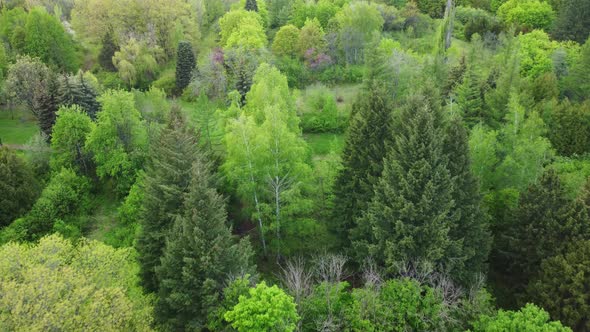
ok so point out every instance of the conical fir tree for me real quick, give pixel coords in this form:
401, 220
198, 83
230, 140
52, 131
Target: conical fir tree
185, 65
412, 212
48, 106
200, 255
362, 159
470, 99
472, 227
167, 178
251, 5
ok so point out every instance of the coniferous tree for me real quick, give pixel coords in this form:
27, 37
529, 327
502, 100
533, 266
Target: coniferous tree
185, 65
48, 105
472, 227
573, 21
470, 99
166, 180
200, 254
412, 212
543, 224
251, 5
362, 159
109, 47
455, 76
75, 90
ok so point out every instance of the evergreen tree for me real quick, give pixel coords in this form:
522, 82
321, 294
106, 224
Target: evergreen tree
76, 90
543, 224
573, 21
251, 5
455, 76
166, 180
412, 212
48, 105
470, 99
362, 159
472, 227
577, 82
185, 65
199, 256
109, 47
570, 128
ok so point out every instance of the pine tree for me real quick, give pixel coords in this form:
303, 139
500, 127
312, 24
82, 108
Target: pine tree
109, 47
455, 77
573, 21
75, 90
472, 226
251, 5
185, 65
200, 255
470, 99
362, 159
166, 180
412, 212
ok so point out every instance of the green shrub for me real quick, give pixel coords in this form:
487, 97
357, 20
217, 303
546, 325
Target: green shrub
166, 82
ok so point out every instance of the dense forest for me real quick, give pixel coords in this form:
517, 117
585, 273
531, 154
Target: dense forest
295, 165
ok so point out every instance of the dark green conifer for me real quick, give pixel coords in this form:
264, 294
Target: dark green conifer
167, 177
362, 159
109, 47
413, 212
469, 98
48, 106
185, 64
251, 5
75, 90
200, 255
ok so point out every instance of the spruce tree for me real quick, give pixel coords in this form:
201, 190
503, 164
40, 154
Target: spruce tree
251, 5
469, 98
167, 177
185, 65
362, 159
200, 255
472, 226
48, 105
75, 90
455, 77
109, 47
412, 212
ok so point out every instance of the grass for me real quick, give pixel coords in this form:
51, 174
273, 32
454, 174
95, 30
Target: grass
17, 128
322, 144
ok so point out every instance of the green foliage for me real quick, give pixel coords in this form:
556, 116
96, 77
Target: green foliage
562, 288
58, 285
311, 37
46, 39
530, 318
251, 5
470, 97
69, 141
478, 21
137, 63
65, 196
81, 90
535, 53
119, 139
200, 253
362, 159
570, 128
322, 10
357, 21
321, 113
527, 14
166, 181
231, 296
242, 28
18, 186
264, 309
573, 21
285, 41
108, 50
577, 85
185, 64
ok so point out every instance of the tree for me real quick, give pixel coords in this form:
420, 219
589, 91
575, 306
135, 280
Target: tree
570, 128
544, 223
200, 254
69, 140
562, 287
251, 5
535, 53
184, 65
528, 318
242, 24
166, 181
80, 90
472, 226
137, 63
285, 41
87, 285
108, 50
527, 15
412, 212
311, 36
119, 139
48, 106
65, 196
264, 309
362, 159
46, 39
18, 186
470, 99
573, 21
577, 86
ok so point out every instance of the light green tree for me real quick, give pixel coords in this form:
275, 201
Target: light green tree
530, 318
264, 309
285, 41
69, 140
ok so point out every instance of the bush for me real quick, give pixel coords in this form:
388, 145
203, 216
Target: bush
166, 82
477, 21
321, 113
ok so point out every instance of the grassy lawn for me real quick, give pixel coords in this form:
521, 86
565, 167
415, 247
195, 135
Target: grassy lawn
17, 130
322, 144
